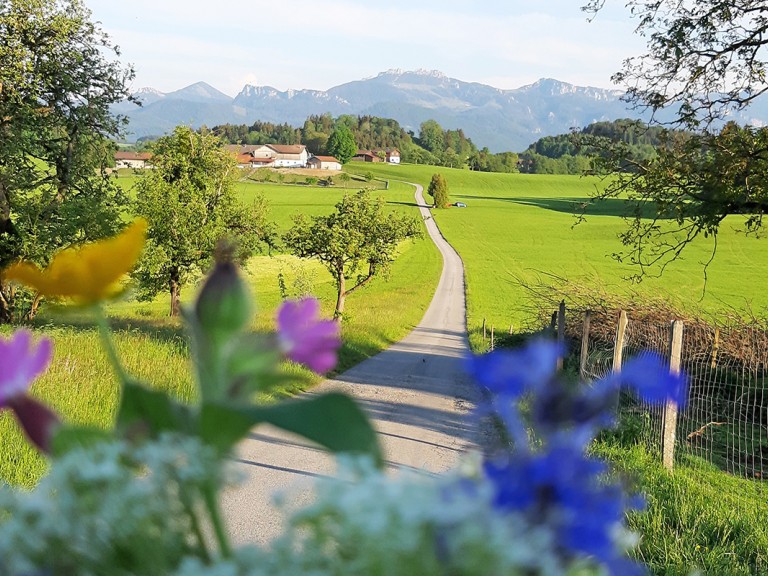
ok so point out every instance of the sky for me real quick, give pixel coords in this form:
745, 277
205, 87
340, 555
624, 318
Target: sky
317, 45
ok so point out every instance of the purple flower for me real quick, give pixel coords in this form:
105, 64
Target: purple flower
20, 363
648, 374
305, 338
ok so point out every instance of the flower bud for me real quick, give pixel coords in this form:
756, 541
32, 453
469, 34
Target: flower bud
37, 420
223, 306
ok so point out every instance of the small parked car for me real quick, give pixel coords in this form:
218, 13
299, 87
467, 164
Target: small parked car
459, 204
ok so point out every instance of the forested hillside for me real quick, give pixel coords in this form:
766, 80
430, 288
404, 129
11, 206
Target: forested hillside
570, 153
433, 144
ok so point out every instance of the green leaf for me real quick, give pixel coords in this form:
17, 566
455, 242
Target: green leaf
150, 411
332, 420
69, 438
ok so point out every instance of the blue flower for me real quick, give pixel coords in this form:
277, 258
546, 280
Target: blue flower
511, 373
580, 409
563, 489
649, 375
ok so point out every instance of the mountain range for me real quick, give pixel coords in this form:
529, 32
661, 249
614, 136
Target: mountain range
502, 120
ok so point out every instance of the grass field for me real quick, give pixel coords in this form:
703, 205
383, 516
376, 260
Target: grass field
515, 227
80, 386
520, 227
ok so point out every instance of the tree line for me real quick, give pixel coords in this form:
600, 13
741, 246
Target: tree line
575, 152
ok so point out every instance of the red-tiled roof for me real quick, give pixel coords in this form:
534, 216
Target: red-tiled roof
325, 158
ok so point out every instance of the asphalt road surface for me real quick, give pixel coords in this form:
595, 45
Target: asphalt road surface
415, 392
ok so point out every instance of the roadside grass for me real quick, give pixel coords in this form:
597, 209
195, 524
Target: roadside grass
520, 228
79, 383
695, 518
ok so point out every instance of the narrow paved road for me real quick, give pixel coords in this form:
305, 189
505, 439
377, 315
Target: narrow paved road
415, 392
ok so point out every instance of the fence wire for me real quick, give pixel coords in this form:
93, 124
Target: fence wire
725, 422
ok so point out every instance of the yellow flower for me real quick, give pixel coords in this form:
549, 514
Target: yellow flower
88, 273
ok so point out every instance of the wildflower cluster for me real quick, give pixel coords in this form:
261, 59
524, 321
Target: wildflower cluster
141, 497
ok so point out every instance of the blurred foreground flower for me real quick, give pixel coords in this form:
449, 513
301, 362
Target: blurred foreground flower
545, 473
306, 338
87, 274
648, 374
20, 363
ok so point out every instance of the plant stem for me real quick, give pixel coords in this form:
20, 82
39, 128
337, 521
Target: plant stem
109, 345
213, 510
196, 527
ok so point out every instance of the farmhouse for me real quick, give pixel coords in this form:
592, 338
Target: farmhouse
280, 155
324, 163
289, 155
365, 156
248, 161
132, 159
392, 155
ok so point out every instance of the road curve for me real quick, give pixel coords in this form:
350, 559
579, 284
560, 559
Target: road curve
415, 392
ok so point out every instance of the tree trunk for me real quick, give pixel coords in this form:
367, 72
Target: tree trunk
9, 236
174, 286
340, 298
5, 305
34, 307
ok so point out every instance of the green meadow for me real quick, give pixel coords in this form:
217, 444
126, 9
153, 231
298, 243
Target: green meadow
516, 229
79, 383
520, 228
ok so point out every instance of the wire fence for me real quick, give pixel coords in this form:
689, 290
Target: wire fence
725, 421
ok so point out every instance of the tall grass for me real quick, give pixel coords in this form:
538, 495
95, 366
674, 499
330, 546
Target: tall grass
696, 517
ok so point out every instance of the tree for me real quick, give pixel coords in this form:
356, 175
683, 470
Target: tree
687, 189
341, 144
438, 190
704, 60
431, 136
356, 242
189, 201
56, 86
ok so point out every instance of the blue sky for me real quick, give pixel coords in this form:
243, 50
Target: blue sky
310, 44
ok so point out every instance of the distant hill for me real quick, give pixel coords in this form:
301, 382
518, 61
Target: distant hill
499, 119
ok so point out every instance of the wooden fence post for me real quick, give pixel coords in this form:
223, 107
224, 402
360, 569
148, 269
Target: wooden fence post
618, 349
553, 323
560, 332
483, 330
584, 345
669, 423
493, 344
715, 347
